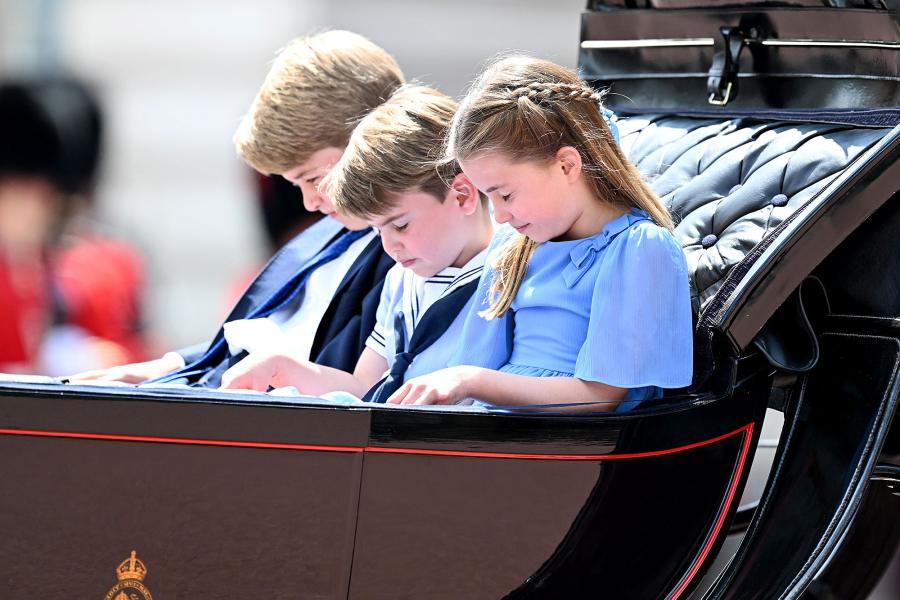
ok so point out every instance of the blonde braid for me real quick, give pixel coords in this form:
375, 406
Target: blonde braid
540, 91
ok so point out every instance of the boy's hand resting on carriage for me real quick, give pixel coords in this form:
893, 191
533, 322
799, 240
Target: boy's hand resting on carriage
276, 369
131, 373
262, 370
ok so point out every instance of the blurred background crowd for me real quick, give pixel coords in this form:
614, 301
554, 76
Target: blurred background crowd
127, 223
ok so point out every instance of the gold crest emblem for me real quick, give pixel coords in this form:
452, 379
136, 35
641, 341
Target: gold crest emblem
130, 574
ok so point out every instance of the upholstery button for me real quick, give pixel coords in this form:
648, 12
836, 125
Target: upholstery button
734, 189
779, 200
708, 240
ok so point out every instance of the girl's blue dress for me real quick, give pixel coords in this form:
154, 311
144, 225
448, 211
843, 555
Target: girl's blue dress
614, 308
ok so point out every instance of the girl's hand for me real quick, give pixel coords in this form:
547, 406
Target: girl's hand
263, 369
447, 386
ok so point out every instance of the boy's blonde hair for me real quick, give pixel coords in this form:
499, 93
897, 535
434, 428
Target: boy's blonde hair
316, 91
527, 109
397, 148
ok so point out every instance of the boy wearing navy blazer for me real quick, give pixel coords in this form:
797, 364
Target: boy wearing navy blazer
318, 295
432, 221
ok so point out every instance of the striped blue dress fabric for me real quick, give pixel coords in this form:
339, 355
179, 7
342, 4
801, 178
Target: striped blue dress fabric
614, 308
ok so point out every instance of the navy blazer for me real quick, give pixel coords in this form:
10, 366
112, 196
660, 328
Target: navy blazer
349, 318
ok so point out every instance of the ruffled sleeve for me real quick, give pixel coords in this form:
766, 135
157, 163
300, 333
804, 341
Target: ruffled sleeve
640, 329
486, 343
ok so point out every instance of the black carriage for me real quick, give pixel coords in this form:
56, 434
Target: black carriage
772, 133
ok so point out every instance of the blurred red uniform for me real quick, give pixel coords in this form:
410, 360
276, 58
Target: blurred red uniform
25, 311
99, 283
69, 298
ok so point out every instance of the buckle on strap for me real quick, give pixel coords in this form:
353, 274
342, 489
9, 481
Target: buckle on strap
724, 99
722, 83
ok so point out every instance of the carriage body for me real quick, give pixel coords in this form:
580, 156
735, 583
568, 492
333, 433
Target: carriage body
786, 202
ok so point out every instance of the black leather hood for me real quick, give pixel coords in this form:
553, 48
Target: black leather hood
763, 56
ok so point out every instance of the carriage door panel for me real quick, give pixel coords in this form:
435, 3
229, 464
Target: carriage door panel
216, 501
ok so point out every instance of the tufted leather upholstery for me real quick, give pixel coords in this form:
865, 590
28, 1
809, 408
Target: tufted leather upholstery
729, 183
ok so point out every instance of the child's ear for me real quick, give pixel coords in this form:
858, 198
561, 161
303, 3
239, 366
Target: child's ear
463, 193
569, 160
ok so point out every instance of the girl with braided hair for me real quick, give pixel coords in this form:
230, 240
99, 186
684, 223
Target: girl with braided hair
586, 302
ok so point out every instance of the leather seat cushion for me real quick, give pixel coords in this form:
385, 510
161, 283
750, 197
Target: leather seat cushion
729, 183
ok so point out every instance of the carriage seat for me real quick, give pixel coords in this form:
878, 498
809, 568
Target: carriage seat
729, 183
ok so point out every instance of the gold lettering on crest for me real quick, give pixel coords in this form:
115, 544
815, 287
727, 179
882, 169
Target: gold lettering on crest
130, 573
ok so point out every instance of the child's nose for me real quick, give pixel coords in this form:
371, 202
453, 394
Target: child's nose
323, 193
311, 199
390, 243
501, 215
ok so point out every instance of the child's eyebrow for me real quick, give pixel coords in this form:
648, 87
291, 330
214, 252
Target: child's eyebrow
381, 223
493, 188
299, 175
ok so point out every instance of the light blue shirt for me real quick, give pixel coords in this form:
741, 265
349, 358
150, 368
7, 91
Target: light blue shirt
407, 293
613, 307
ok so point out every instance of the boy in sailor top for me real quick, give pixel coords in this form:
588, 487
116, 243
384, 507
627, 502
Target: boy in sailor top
432, 221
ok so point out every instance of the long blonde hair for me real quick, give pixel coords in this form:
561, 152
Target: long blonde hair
527, 109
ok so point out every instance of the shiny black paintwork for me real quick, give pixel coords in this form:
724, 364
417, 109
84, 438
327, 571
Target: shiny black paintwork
849, 434
225, 522
229, 520
836, 424
870, 545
